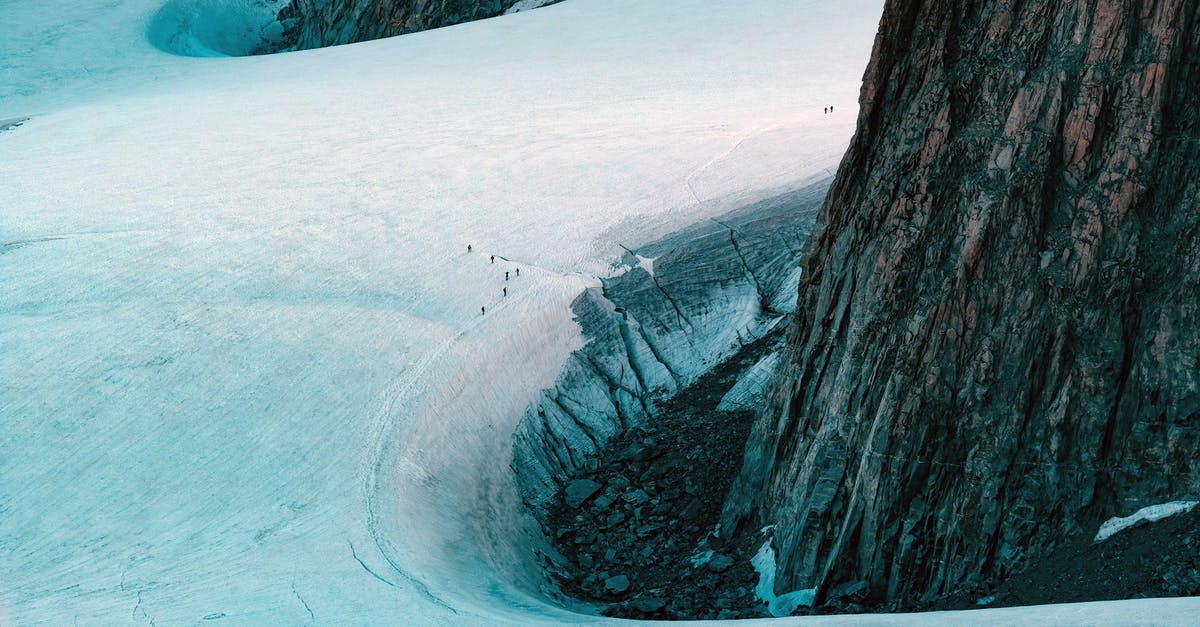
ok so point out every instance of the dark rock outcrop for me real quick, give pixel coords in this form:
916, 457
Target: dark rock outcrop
997, 342
319, 23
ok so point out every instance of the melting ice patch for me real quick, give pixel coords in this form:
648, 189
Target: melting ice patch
1151, 513
784, 604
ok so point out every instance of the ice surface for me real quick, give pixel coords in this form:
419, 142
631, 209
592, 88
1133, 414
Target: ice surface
1150, 513
243, 374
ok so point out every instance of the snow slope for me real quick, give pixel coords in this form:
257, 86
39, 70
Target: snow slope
243, 372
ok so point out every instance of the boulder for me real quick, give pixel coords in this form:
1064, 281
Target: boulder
579, 491
616, 585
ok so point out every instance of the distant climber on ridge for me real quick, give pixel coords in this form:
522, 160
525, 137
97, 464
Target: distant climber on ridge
468, 248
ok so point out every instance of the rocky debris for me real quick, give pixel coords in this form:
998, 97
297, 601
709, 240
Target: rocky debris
1153, 560
579, 491
616, 585
997, 332
643, 545
719, 563
648, 605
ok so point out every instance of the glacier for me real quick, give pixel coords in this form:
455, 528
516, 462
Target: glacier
244, 377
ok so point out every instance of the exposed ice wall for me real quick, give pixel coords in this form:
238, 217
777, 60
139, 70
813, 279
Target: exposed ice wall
676, 308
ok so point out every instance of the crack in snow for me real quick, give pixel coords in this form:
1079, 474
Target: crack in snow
764, 302
305, 603
365, 567
658, 356
578, 423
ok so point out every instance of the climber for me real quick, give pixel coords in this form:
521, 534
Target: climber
506, 275
518, 272
493, 259
506, 291
483, 310
468, 248
826, 109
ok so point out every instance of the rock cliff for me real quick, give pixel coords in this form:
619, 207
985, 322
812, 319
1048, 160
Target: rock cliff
997, 341
318, 23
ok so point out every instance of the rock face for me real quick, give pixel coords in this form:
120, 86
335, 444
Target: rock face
997, 341
319, 23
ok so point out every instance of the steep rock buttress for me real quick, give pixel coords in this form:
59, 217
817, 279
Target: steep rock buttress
997, 341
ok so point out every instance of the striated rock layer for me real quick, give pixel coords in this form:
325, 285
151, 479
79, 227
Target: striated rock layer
997, 341
319, 23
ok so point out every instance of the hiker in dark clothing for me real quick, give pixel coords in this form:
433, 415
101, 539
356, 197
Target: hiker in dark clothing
468, 248
518, 272
826, 109
506, 275
493, 259
506, 291
483, 310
